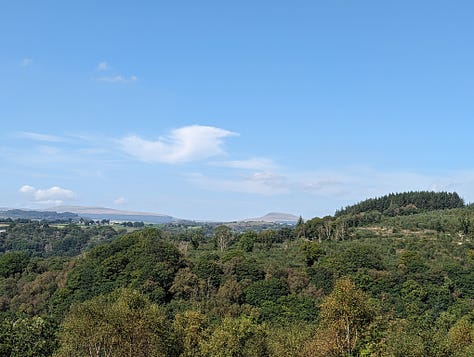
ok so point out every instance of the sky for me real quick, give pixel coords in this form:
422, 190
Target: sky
219, 110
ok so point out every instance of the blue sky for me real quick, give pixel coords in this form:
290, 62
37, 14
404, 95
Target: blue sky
227, 110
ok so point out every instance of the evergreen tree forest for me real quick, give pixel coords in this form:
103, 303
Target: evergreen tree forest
391, 276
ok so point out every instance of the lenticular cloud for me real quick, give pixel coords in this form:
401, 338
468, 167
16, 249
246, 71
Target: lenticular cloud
185, 144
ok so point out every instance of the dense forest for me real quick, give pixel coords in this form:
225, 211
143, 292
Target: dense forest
395, 204
391, 276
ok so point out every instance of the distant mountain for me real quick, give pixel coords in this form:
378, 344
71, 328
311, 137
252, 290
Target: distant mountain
74, 213
275, 217
99, 213
38, 215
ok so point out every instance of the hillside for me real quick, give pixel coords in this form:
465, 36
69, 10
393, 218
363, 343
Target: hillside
274, 217
407, 282
99, 213
404, 203
39, 215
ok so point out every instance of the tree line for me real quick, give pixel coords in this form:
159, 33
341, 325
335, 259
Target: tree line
405, 203
402, 286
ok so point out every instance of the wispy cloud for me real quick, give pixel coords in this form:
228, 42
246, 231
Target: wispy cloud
189, 143
354, 184
343, 186
25, 62
255, 163
118, 79
48, 150
51, 196
103, 66
41, 137
69, 156
260, 183
113, 77
120, 201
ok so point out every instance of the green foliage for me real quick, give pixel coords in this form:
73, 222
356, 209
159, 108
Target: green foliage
403, 339
141, 260
207, 269
321, 278
12, 263
312, 251
267, 238
27, 336
222, 237
346, 313
392, 282
191, 329
196, 237
185, 284
289, 309
411, 262
241, 267
288, 340
265, 290
39, 238
247, 241
123, 323
460, 338
352, 257
405, 203
236, 337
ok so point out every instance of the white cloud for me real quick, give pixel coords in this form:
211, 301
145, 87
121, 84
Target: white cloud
25, 62
355, 184
120, 201
48, 150
54, 195
54, 192
341, 187
261, 183
41, 137
255, 163
26, 189
185, 144
103, 66
113, 77
118, 79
